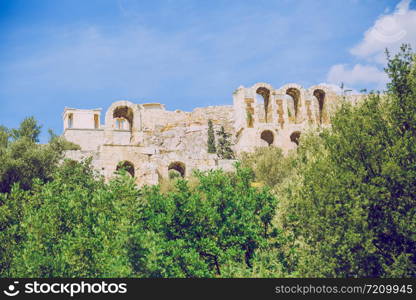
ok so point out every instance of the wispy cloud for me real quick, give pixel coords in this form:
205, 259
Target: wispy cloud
357, 75
389, 31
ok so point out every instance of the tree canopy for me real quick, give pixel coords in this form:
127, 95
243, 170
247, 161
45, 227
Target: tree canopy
343, 204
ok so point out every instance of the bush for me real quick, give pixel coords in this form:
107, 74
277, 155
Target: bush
23, 159
174, 174
76, 225
72, 226
352, 200
223, 220
269, 165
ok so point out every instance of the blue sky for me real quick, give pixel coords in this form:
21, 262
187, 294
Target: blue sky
185, 54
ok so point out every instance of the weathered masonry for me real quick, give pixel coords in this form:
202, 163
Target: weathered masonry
148, 141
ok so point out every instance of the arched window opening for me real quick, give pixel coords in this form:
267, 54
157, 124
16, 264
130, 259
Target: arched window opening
294, 93
294, 137
265, 94
127, 166
96, 121
70, 120
176, 168
320, 96
122, 124
123, 116
249, 112
267, 136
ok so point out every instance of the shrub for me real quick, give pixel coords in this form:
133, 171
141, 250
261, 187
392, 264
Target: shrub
269, 165
354, 200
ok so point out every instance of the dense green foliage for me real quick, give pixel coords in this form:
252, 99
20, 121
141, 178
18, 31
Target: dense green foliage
4, 136
224, 150
223, 220
78, 226
350, 197
61, 144
211, 138
72, 226
23, 160
356, 202
269, 165
342, 205
29, 129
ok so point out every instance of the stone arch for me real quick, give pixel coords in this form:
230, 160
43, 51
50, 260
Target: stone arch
265, 94
328, 90
320, 96
264, 90
123, 110
295, 136
294, 93
178, 166
262, 84
267, 136
127, 166
122, 114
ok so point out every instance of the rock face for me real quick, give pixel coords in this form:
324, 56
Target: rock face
150, 140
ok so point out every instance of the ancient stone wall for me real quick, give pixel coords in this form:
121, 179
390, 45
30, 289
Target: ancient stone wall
152, 140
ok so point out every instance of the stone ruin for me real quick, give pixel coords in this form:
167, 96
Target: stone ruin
148, 140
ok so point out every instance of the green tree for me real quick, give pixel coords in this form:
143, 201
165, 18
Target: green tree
211, 138
4, 136
28, 128
224, 150
195, 233
23, 159
60, 143
76, 225
73, 226
269, 165
352, 203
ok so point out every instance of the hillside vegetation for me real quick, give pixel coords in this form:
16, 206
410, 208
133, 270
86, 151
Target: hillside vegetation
342, 205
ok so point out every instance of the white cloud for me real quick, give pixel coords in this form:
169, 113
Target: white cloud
337, 88
389, 31
357, 75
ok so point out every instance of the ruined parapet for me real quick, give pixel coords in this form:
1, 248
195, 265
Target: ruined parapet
323, 102
265, 116
122, 124
82, 126
151, 140
293, 97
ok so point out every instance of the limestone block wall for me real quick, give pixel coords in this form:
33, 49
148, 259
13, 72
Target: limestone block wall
190, 134
148, 168
152, 139
88, 139
153, 120
80, 155
121, 137
156, 139
240, 107
110, 156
